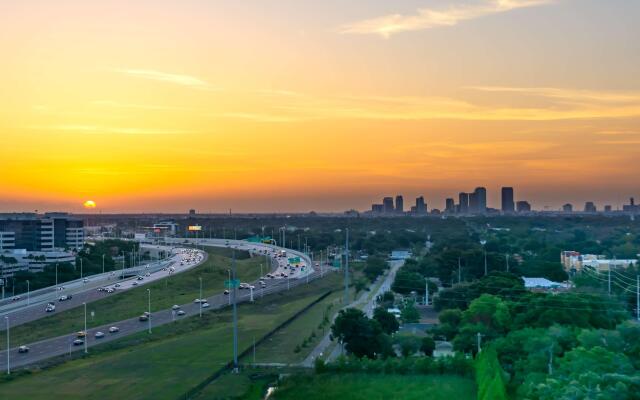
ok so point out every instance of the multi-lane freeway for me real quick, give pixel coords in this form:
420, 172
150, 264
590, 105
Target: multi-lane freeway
65, 344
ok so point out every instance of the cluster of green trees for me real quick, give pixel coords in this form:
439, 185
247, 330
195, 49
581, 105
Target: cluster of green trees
565, 345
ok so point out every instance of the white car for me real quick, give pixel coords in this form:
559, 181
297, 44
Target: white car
196, 301
99, 335
181, 313
175, 307
114, 329
205, 305
134, 283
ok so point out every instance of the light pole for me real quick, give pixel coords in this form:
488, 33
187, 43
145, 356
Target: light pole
86, 334
56, 275
123, 258
103, 263
6, 318
28, 293
80, 267
200, 279
149, 317
483, 242
235, 319
229, 271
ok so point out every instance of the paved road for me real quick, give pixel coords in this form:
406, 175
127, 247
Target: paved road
368, 308
64, 344
27, 313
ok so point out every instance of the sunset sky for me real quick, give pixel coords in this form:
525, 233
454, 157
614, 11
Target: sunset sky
297, 105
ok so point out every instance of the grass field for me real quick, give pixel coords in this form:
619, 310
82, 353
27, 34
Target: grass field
178, 357
375, 387
179, 289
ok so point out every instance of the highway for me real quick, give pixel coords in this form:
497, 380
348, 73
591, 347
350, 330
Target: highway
62, 345
20, 313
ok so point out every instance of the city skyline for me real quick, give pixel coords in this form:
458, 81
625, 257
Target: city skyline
301, 105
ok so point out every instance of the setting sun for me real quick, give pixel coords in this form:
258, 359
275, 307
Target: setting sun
89, 204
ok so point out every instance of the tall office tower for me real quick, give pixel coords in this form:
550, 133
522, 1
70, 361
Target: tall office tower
450, 206
377, 208
631, 207
567, 208
608, 209
481, 196
463, 204
421, 207
523, 206
387, 203
508, 206
399, 204
473, 203
590, 207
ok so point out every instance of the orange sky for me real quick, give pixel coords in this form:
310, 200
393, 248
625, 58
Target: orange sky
294, 105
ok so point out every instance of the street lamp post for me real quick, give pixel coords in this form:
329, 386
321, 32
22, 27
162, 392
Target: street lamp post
200, 279
229, 271
6, 318
103, 263
56, 275
86, 334
28, 293
483, 242
80, 267
123, 258
149, 317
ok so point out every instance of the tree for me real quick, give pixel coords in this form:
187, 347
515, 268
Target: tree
449, 323
409, 313
428, 346
375, 266
487, 315
409, 345
387, 321
359, 334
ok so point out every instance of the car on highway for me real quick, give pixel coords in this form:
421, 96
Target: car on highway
81, 334
78, 342
205, 305
175, 307
50, 308
181, 313
15, 298
114, 329
134, 283
23, 349
196, 301
143, 318
226, 292
99, 335
117, 285
140, 278
85, 280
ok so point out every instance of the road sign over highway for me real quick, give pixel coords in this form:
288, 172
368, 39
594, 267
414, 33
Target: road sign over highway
232, 283
294, 260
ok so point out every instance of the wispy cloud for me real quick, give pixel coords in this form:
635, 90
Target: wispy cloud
184, 80
95, 129
427, 18
117, 104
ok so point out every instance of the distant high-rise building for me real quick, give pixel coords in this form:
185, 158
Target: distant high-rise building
421, 206
631, 207
567, 208
481, 195
523, 206
399, 204
450, 206
508, 205
463, 205
192, 212
377, 208
387, 203
590, 207
608, 208
473, 202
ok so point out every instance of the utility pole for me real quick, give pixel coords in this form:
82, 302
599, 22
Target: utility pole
81, 267
346, 269
479, 340
201, 299
550, 366
235, 317
485, 263
103, 263
609, 280
507, 262
426, 292
459, 271
638, 297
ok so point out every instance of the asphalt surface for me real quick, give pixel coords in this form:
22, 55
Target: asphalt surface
62, 345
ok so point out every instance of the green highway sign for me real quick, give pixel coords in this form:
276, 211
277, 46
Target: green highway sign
294, 260
232, 283
336, 263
